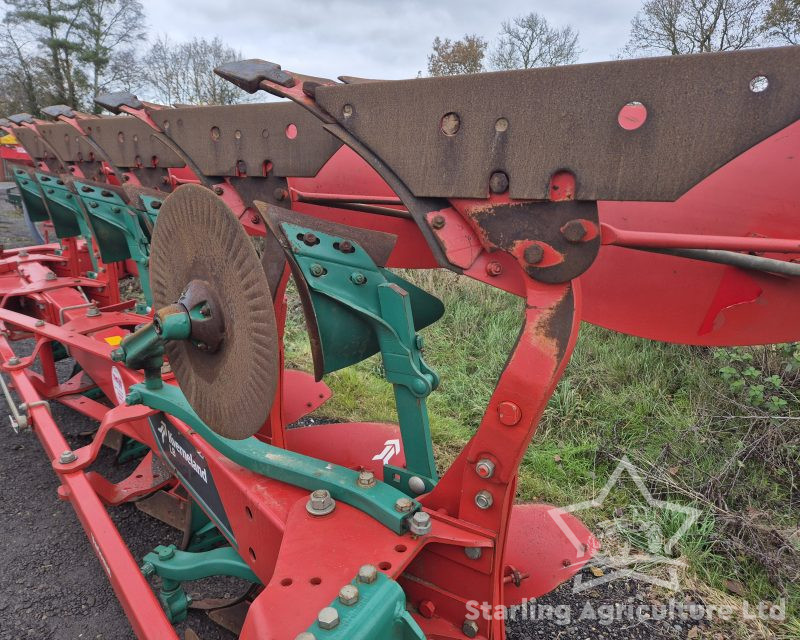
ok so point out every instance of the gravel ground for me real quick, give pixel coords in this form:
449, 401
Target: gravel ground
51, 585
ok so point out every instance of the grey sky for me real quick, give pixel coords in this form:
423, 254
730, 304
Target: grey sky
375, 38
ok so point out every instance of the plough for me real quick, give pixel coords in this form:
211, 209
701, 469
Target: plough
655, 197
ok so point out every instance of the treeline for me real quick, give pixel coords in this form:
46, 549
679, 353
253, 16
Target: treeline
661, 27
68, 51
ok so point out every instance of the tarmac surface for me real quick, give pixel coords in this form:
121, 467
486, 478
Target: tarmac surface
52, 585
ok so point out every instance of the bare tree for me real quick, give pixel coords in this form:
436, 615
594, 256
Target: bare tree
782, 21
109, 28
18, 72
450, 58
530, 41
696, 26
184, 72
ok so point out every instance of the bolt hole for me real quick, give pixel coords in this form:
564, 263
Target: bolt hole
267, 168
759, 84
215, 133
139, 476
385, 566
400, 548
252, 553
237, 134
249, 512
632, 116
450, 124
501, 125
286, 582
291, 131
316, 581
120, 137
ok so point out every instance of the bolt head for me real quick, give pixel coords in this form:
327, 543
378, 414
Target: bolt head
470, 628
218, 190
367, 574
366, 479
328, 618
420, 523
485, 468
310, 239
348, 595
438, 222
403, 505
484, 499
416, 484
533, 254
13, 361
320, 503
317, 270
426, 609
67, 456
498, 183
573, 231
358, 278
50, 276
473, 553
509, 413
494, 268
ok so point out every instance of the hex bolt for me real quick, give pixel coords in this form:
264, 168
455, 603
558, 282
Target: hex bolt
92, 312
13, 361
420, 523
320, 503
50, 276
317, 270
426, 609
367, 574
348, 595
509, 413
67, 457
573, 231
473, 553
310, 239
328, 618
218, 191
306, 635
494, 268
533, 254
147, 569
483, 499
498, 183
484, 468
345, 246
470, 628
358, 278
366, 479
23, 254
438, 222
280, 193
403, 505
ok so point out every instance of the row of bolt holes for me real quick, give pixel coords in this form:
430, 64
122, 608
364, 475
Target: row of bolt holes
630, 117
287, 582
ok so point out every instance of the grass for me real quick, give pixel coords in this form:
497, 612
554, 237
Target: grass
690, 418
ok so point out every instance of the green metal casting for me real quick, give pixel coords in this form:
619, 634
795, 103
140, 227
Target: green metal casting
31, 195
360, 309
379, 611
118, 229
175, 567
287, 466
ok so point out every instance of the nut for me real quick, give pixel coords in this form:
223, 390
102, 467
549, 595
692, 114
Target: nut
484, 499
438, 222
470, 628
348, 595
573, 231
426, 609
403, 504
366, 479
420, 523
484, 468
367, 574
67, 456
320, 503
494, 268
328, 618
473, 553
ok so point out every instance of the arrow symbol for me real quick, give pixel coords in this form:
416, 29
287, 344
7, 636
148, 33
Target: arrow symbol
390, 450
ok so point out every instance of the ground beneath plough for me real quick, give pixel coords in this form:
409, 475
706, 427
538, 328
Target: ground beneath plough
52, 586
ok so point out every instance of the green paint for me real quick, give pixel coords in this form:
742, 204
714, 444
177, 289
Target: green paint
379, 614
280, 464
362, 309
32, 196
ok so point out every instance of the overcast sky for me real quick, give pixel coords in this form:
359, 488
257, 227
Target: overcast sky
375, 38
